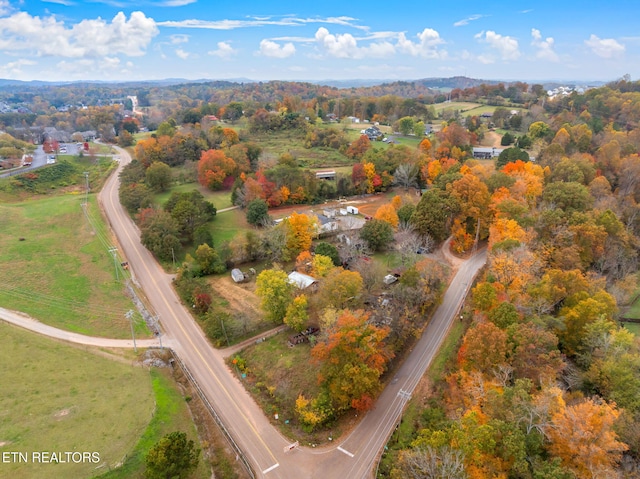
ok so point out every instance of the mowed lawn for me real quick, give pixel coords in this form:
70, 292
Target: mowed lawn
60, 398
58, 269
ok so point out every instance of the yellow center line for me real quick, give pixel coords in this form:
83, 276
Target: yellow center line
196, 349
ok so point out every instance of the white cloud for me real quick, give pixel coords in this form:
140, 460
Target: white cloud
465, 21
177, 39
275, 50
426, 47
605, 47
66, 3
46, 36
287, 21
340, 45
182, 54
14, 69
5, 7
505, 45
224, 50
545, 47
177, 3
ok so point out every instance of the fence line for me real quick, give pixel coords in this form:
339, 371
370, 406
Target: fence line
230, 440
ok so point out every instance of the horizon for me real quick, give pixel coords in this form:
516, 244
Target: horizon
109, 41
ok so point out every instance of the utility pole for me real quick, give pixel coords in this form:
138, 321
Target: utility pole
86, 191
114, 251
156, 327
129, 316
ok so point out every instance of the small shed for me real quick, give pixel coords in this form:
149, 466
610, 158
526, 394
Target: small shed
342, 211
389, 279
237, 275
352, 209
300, 280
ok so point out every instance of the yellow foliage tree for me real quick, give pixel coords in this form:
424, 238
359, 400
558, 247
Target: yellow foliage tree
370, 173
300, 232
322, 265
396, 202
388, 214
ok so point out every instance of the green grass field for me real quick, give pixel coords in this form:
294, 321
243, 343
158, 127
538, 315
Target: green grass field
633, 327
171, 414
220, 199
56, 397
227, 225
61, 273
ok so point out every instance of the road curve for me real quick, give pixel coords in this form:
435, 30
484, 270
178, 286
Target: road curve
354, 456
27, 322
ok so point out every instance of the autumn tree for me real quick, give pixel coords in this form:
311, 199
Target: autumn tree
388, 214
352, 360
358, 147
484, 347
214, 167
583, 437
209, 260
297, 316
301, 229
275, 291
340, 288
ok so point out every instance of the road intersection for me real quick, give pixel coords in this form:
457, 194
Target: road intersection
270, 454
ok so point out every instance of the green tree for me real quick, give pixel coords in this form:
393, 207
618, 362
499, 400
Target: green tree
567, 196
377, 233
511, 155
405, 125
276, 293
209, 260
190, 210
257, 212
433, 214
159, 233
135, 196
173, 457
327, 249
158, 176
166, 128
507, 139
202, 235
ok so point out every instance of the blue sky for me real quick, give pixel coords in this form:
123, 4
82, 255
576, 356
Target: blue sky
62, 40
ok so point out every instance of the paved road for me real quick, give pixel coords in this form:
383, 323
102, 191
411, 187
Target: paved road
352, 457
355, 456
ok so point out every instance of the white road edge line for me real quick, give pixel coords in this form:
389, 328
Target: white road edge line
269, 469
350, 454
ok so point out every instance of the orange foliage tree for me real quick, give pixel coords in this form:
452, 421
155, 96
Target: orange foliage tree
388, 214
214, 166
583, 437
352, 359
